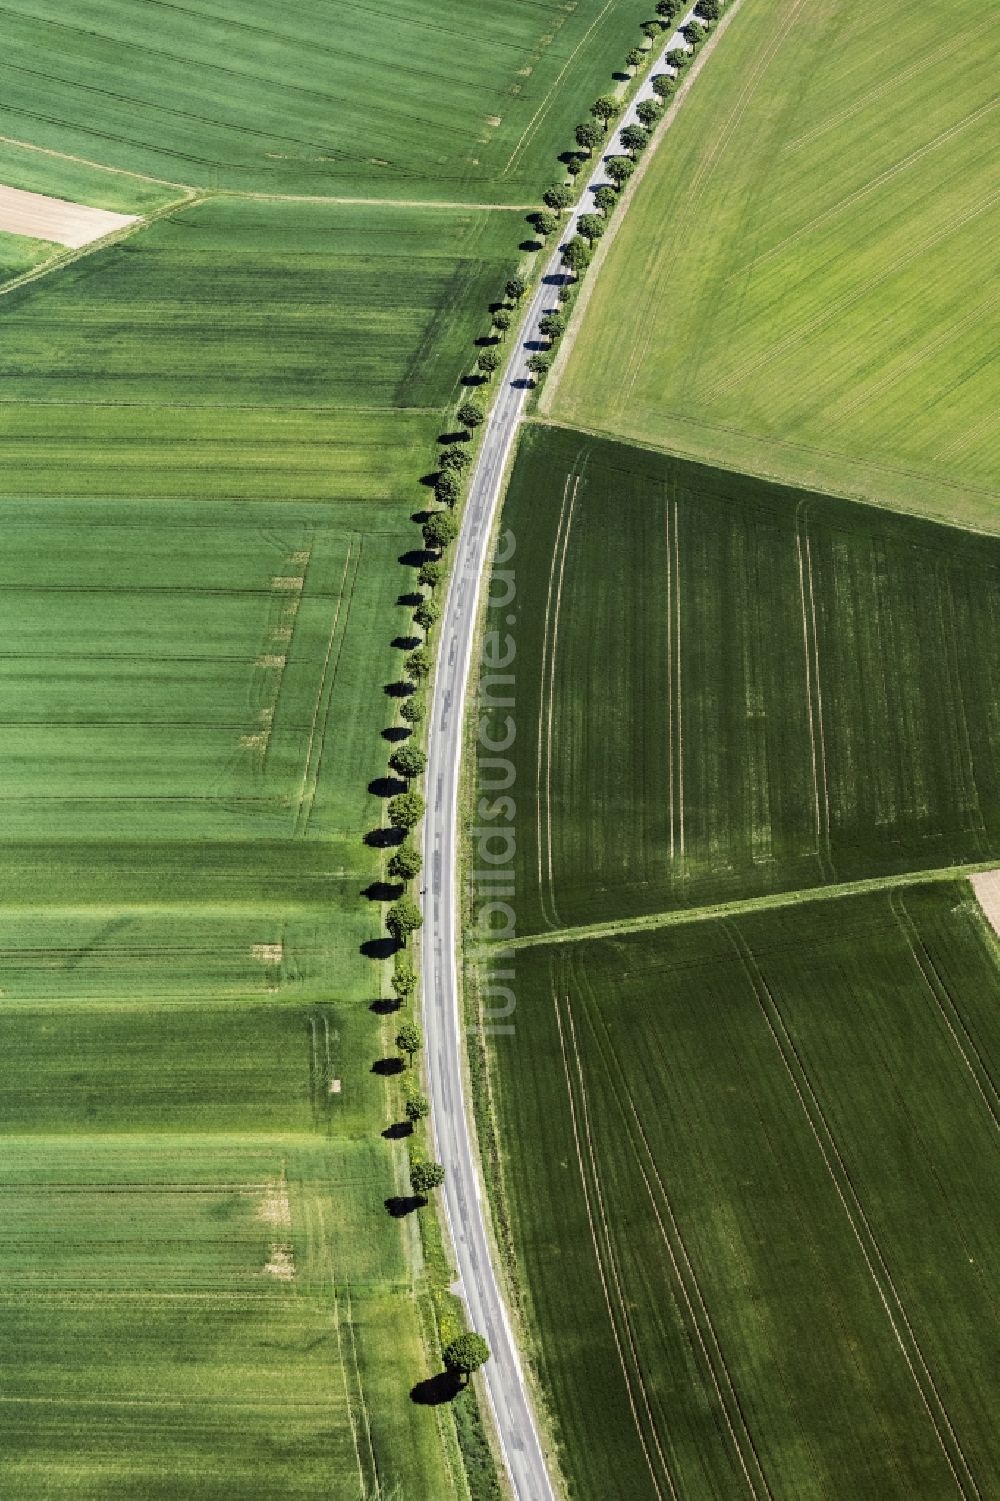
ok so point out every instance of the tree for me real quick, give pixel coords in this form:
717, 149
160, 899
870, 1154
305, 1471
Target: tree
466, 1354
405, 810
440, 530
605, 108
515, 289
592, 226
620, 169
413, 709
677, 59
489, 361
667, 9
693, 34
426, 613
447, 488
417, 1106
404, 978
406, 862
648, 112
425, 1176
663, 83
605, 198
455, 457
502, 318
651, 29
409, 760
575, 166
430, 574
558, 197
588, 135
417, 665
634, 139
553, 325
576, 254
540, 364
634, 58
470, 414
708, 10
409, 1040
546, 222
403, 918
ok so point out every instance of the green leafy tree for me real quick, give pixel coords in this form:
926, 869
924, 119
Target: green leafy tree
502, 318
426, 613
648, 112
404, 978
413, 709
591, 226
588, 135
634, 139
440, 530
417, 664
708, 10
546, 222
576, 254
430, 574
620, 169
447, 488
405, 810
558, 197
540, 364
634, 58
667, 9
515, 289
489, 361
553, 325
425, 1176
470, 414
417, 1106
677, 59
575, 167
403, 918
456, 457
605, 109
651, 29
409, 760
466, 1354
605, 198
663, 84
409, 1040
693, 34
406, 862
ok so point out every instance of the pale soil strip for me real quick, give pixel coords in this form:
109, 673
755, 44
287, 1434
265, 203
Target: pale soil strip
603, 1276
670, 680
736, 378
693, 1317
773, 901
307, 789
786, 1049
71, 224
986, 885
937, 987
551, 702
539, 796
680, 705
436, 203
870, 187
807, 656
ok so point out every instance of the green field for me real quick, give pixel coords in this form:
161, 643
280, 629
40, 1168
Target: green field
750, 1167
804, 284
726, 688
18, 254
425, 101
211, 438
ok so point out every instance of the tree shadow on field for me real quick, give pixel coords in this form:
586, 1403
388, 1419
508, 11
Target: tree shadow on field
415, 557
530, 246
383, 891
407, 643
385, 1008
400, 1204
399, 690
387, 1068
396, 732
385, 787
383, 839
398, 1130
444, 1387
379, 948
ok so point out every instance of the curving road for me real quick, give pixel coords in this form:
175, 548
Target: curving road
443, 1027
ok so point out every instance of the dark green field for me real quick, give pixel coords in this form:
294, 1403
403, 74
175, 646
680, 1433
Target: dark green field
726, 688
751, 1172
432, 101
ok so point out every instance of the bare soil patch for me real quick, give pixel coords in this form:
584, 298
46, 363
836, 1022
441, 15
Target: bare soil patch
70, 224
986, 885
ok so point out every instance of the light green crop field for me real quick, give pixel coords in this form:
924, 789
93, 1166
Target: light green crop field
725, 688
751, 1172
19, 253
804, 284
432, 100
211, 440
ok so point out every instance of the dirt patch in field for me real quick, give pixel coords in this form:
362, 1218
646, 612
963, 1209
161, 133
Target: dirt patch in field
268, 953
281, 1264
986, 885
42, 218
274, 1208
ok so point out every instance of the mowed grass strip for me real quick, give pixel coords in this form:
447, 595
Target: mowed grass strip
790, 291
20, 253
168, 1251
752, 1179
724, 687
425, 101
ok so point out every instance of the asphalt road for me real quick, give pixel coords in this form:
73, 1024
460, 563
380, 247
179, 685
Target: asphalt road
443, 1028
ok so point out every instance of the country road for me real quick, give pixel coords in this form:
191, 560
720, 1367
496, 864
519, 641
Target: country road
442, 1017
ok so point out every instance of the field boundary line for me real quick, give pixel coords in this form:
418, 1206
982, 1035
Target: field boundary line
817, 739
352, 201
544, 752
314, 1207
307, 790
679, 687
602, 1273
769, 901
546, 103
609, 1054
551, 700
799, 1078
938, 989
86, 161
670, 678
